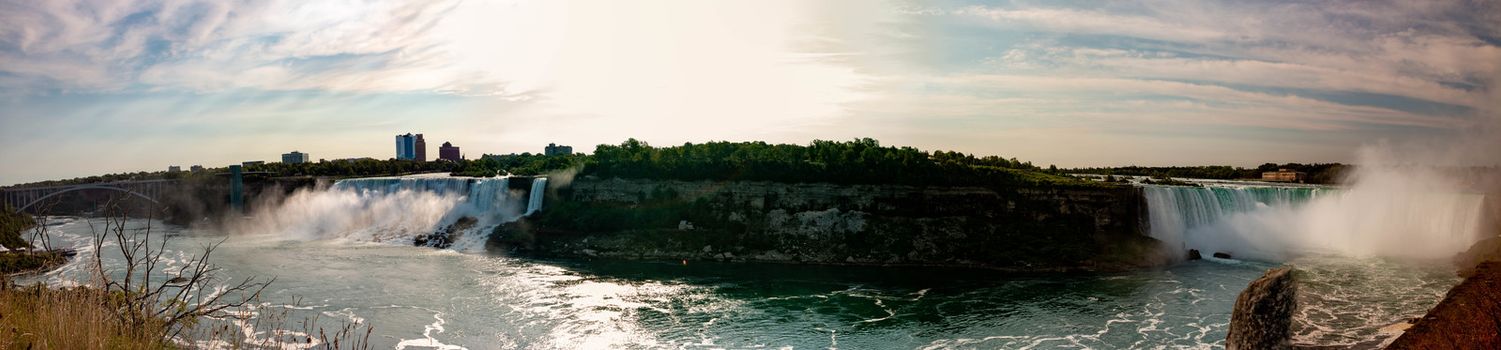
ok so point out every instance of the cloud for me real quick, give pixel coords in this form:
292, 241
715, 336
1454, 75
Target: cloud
212, 46
1161, 78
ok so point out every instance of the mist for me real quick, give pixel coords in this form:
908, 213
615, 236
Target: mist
1424, 199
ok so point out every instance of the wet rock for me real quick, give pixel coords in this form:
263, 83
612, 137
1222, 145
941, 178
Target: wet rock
1193, 254
1262, 318
1222, 255
443, 238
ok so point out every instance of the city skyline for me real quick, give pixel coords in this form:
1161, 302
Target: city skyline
123, 86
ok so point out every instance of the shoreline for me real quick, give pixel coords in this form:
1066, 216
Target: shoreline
50, 260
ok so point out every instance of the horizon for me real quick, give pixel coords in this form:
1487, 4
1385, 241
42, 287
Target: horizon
111, 87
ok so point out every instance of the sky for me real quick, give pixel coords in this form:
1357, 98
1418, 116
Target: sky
105, 86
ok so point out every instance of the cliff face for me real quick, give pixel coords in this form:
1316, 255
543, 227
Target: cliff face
1262, 318
1017, 228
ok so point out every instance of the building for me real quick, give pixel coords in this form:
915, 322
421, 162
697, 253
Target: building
449, 152
174, 169
406, 147
411, 147
196, 168
250, 163
556, 150
1284, 175
421, 149
294, 157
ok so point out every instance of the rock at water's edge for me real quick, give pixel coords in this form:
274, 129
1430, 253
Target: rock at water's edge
1222, 255
1193, 254
1469, 317
1263, 312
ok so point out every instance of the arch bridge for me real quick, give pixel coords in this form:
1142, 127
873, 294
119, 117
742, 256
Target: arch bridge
26, 197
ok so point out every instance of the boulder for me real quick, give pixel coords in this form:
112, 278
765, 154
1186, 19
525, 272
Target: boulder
1222, 255
1193, 254
1263, 313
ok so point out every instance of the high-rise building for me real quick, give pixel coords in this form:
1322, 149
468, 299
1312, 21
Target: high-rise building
406, 147
421, 149
449, 152
411, 147
294, 157
557, 150
174, 169
196, 168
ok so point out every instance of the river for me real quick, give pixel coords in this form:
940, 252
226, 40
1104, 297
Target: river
426, 298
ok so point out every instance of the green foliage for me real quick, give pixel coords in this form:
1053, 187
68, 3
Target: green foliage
12, 224
524, 163
13, 262
861, 161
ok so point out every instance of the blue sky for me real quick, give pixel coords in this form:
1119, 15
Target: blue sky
90, 87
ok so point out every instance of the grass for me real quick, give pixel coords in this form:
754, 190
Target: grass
40, 317
36, 317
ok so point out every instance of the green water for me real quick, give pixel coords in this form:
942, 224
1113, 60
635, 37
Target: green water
422, 298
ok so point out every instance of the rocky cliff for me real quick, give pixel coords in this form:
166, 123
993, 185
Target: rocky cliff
1032, 229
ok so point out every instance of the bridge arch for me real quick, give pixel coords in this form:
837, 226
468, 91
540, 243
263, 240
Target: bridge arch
85, 187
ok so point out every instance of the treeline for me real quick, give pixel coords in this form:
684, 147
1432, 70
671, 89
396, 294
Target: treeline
862, 161
488, 165
135, 176
1318, 173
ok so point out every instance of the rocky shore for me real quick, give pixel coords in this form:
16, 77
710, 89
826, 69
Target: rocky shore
1469, 317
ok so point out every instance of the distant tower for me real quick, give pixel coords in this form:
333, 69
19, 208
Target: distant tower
449, 152
421, 149
407, 147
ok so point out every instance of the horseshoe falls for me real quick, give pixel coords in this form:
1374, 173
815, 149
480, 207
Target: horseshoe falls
1278, 223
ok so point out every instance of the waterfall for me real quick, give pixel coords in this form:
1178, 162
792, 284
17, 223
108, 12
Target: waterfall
391, 209
1173, 210
534, 202
1273, 223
